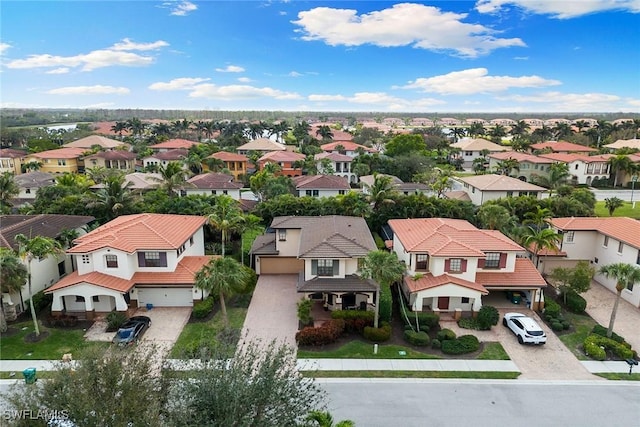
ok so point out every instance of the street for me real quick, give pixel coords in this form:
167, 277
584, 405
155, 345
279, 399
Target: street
620, 194
490, 403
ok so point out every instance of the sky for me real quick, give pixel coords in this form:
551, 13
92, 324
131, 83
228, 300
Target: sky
368, 56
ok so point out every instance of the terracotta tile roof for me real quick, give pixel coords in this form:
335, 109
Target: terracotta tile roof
623, 229
573, 157
559, 146
262, 144
325, 182
93, 278
449, 237
336, 157
91, 140
130, 233
47, 225
625, 143
10, 153
60, 153
177, 154
173, 144
525, 274
282, 156
479, 144
113, 155
429, 281
520, 157
348, 146
225, 156
457, 195
492, 182
214, 181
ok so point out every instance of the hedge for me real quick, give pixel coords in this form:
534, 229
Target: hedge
446, 334
461, 345
40, 301
386, 304
575, 302
488, 316
602, 331
328, 333
355, 320
419, 338
425, 320
551, 308
380, 334
621, 350
203, 308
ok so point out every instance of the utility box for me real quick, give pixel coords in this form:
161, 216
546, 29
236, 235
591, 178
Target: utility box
29, 375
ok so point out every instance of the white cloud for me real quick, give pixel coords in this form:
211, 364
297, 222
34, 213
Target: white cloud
230, 92
4, 47
230, 69
179, 8
326, 98
185, 83
561, 9
295, 74
423, 27
117, 55
89, 90
558, 101
244, 80
61, 70
475, 80
378, 98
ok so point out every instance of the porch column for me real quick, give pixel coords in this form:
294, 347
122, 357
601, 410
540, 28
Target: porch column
477, 304
57, 306
88, 307
121, 304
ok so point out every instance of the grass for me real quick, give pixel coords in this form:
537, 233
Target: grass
362, 350
413, 374
493, 351
582, 326
620, 377
624, 210
59, 342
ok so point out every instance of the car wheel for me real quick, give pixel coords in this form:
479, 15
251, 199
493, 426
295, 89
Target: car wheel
504, 322
520, 340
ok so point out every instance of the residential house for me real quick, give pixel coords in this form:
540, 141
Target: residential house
326, 252
11, 160
530, 167
561, 147
452, 265
482, 188
138, 182
336, 164
534, 123
133, 261
582, 168
212, 183
473, 148
285, 159
173, 144
61, 160
237, 164
92, 141
163, 158
502, 122
29, 183
601, 241
117, 159
347, 148
260, 146
320, 185
44, 272
398, 185
633, 144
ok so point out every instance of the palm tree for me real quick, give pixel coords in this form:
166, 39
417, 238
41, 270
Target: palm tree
558, 175
8, 189
538, 218
625, 275
613, 203
384, 268
32, 166
537, 239
495, 217
248, 223
136, 127
458, 133
222, 276
380, 191
119, 127
226, 217
115, 197
324, 132
541, 134
324, 419
38, 247
172, 176
562, 130
519, 129
67, 236
497, 133
620, 163
476, 130
581, 124
504, 167
13, 275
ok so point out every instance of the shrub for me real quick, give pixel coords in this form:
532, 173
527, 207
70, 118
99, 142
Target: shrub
304, 311
436, 344
566, 325
469, 323
621, 350
428, 320
40, 301
551, 307
379, 241
203, 308
115, 319
419, 338
575, 302
386, 303
602, 331
328, 333
380, 334
488, 316
461, 345
446, 334
355, 320
593, 350
556, 325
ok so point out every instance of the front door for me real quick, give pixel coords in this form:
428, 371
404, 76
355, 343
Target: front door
443, 303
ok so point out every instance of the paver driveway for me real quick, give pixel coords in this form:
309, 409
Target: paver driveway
166, 325
272, 314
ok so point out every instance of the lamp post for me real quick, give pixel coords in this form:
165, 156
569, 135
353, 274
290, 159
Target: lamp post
634, 178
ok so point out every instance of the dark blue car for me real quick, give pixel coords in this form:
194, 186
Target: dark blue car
131, 330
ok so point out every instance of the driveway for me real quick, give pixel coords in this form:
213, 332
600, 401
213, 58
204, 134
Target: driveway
272, 314
166, 325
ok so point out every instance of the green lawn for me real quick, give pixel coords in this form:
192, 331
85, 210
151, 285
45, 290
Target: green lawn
59, 342
363, 350
581, 327
620, 377
493, 351
625, 210
413, 374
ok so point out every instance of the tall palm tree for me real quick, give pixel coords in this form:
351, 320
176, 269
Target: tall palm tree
115, 198
504, 167
558, 175
458, 133
613, 203
136, 126
248, 223
538, 218
495, 217
380, 191
226, 217
172, 176
8, 189
324, 132
620, 163
537, 239
38, 247
32, 166
496, 133
519, 129
476, 130
625, 275
581, 124
562, 130
384, 268
13, 275
119, 127
541, 134
222, 276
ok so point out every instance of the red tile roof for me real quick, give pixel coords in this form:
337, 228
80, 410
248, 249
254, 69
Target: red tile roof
214, 181
225, 156
130, 233
174, 144
623, 229
560, 146
113, 155
282, 156
572, 157
93, 278
327, 182
177, 154
10, 153
493, 182
336, 157
525, 274
348, 146
60, 153
520, 157
429, 281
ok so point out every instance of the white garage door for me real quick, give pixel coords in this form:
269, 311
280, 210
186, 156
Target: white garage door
165, 297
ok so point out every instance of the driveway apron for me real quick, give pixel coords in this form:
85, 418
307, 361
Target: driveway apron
166, 325
272, 313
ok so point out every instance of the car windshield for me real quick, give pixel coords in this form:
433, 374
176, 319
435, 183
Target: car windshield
125, 333
535, 333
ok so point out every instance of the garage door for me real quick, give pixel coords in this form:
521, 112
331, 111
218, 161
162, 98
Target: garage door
281, 265
165, 297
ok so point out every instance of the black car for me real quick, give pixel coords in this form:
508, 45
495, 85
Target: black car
131, 330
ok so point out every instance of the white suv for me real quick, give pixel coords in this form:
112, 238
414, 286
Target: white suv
525, 328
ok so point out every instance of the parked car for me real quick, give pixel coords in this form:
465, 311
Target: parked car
525, 328
131, 330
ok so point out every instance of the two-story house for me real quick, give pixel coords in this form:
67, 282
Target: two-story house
236, 164
474, 148
347, 148
163, 158
92, 141
173, 144
336, 164
132, 261
320, 185
61, 160
451, 265
582, 168
212, 184
287, 160
529, 168
601, 241
120, 160
11, 160
326, 252
29, 183
481, 188
562, 147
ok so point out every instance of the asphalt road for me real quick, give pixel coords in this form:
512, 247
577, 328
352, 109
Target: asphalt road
479, 403
620, 194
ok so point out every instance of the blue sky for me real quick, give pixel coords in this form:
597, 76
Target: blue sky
434, 56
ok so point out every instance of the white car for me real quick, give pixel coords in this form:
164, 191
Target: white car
525, 328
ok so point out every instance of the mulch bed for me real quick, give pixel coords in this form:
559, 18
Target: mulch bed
33, 338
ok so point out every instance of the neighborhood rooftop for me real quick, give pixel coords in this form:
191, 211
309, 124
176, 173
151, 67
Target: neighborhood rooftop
620, 228
492, 182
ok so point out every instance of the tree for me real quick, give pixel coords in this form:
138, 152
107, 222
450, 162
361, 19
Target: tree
113, 388
38, 247
504, 167
495, 217
404, 144
248, 224
576, 279
625, 275
324, 132
613, 203
538, 239
261, 386
496, 133
8, 190
558, 175
380, 191
223, 276
620, 163
538, 218
226, 217
115, 198
172, 176
384, 268
324, 419
13, 275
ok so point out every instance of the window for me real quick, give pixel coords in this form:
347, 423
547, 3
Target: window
61, 269
62, 162
152, 259
569, 236
340, 191
492, 260
576, 168
620, 247
96, 298
606, 241
509, 193
79, 298
225, 192
468, 153
308, 193
638, 258
86, 259
213, 192
191, 241
361, 262
28, 191
316, 193
464, 300
422, 262
282, 235
325, 267
112, 261
455, 265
